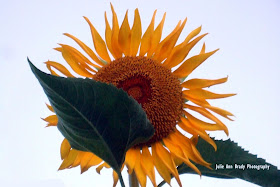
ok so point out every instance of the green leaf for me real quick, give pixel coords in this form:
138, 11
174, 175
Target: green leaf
96, 117
236, 162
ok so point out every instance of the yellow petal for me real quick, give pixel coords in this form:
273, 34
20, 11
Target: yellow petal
180, 52
86, 49
108, 36
52, 72
202, 83
64, 148
130, 159
146, 40
148, 165
85, 160
78, 159
196, 101
80, 58
60, 68
125, 36
192, 63
136, 33
208, 115
192, 35
100, 167
161, 168
115, 35
70, 59
98, 42
198, 124
201, 94
156, 37
116, 178
50, 107
177, 152
168, 43
203, 49
69, 160
140, 174
186, 145
187, 126
52, 120
166, 159
95, 160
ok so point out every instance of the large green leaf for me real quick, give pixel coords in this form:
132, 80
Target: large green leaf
96, 117
231, 161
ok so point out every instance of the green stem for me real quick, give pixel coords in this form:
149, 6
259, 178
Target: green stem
133, 182
121, 180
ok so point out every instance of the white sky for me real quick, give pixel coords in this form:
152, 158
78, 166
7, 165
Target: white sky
246, 33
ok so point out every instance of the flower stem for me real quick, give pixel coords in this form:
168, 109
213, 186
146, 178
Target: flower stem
133, 182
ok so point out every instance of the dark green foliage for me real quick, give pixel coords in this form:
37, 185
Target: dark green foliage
96, 117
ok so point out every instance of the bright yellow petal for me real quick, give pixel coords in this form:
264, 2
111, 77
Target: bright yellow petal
202, 83
136, 34
80, 58
186, 145
86, 49
201, 94
85, 160
198, 124
108, 36
115, 35
168, 43
166, 159
187, 126
125, 36
130, 159
208, 115
64, 148
78, 159
146, 40
192, 63
148, 165
116, 178
177, 152
69, 160
70, 59
101, 166
156, 37
52, 72
99, 43
196, 101
161, 168
140, 174
60, 68
52, 120
50, 107
180, 52
192, 34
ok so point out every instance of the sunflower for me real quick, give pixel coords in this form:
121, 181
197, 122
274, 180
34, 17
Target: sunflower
153, 72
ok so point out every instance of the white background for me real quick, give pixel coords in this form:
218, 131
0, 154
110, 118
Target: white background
247, 33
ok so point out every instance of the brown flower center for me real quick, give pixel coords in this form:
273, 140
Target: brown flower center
152, 85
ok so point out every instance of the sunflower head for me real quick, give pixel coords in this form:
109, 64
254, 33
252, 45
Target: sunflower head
153, 71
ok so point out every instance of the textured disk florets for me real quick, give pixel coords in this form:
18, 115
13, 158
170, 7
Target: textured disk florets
152, 85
